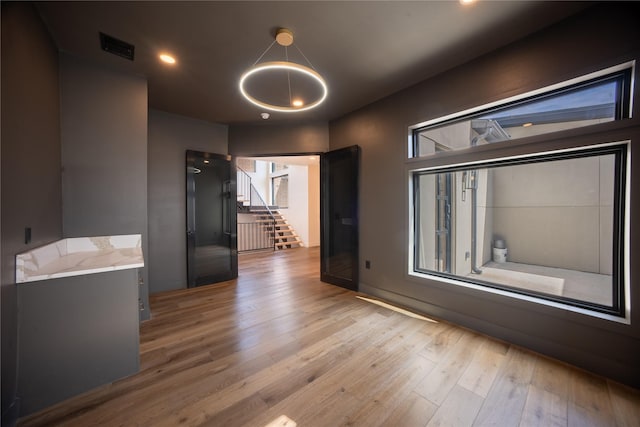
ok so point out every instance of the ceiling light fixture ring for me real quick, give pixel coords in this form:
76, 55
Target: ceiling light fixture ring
289, 67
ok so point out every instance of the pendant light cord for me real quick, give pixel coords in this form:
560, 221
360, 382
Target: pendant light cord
303, 55
265, 52
286, 55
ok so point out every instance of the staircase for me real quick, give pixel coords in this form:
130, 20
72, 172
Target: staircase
283, 234
269, 229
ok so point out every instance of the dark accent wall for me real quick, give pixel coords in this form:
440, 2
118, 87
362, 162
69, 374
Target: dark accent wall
76, 333
170, 136
104, 154
604, 35
270, 138
31, 188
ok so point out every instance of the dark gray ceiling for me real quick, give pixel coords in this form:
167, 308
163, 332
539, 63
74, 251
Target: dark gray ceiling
364, 50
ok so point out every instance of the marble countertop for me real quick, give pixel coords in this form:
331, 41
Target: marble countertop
79, 256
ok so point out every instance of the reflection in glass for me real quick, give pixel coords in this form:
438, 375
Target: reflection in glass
280, 191
545, 227
339, 217
211, 219
586, 105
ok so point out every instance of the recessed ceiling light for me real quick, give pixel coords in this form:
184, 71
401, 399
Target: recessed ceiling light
467, 1
206, 162
167, 59
297, 103
526, 125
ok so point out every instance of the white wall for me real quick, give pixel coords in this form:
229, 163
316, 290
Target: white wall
260, 180
313, 175
461, 222
303, 212
297, 213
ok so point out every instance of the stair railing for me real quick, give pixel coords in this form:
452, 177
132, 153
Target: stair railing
259, 233
261, 205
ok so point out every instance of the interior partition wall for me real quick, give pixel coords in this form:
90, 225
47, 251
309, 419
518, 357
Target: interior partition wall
605, 346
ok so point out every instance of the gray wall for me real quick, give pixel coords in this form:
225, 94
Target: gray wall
170, 136
251, 140
31, 190
104, 154
553, 55
76, 333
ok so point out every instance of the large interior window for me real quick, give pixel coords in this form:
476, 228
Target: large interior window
547, 225
280, 191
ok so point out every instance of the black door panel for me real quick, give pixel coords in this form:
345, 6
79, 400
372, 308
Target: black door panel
339, 217
211, 219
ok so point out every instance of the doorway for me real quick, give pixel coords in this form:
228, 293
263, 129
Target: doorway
213, 206
278, 202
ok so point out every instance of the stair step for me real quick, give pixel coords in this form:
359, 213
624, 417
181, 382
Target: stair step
291, 238
288, 245
262, 210
276, 227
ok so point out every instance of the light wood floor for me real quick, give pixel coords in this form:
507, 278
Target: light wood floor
278, 342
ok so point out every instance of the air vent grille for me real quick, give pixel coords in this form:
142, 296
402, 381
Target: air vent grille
117, 47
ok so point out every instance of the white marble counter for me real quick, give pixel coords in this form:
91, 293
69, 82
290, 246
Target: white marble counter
78, 256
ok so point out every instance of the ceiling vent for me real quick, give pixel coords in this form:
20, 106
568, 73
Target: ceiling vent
117, 47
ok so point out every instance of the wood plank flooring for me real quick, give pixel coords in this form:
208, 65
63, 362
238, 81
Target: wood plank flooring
277, 347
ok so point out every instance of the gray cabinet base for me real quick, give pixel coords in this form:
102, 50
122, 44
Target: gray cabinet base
75, 333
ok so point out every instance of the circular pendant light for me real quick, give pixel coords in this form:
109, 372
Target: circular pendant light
250, 79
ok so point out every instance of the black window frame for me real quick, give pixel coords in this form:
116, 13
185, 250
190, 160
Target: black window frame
618, 307
622, 107
623, 75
